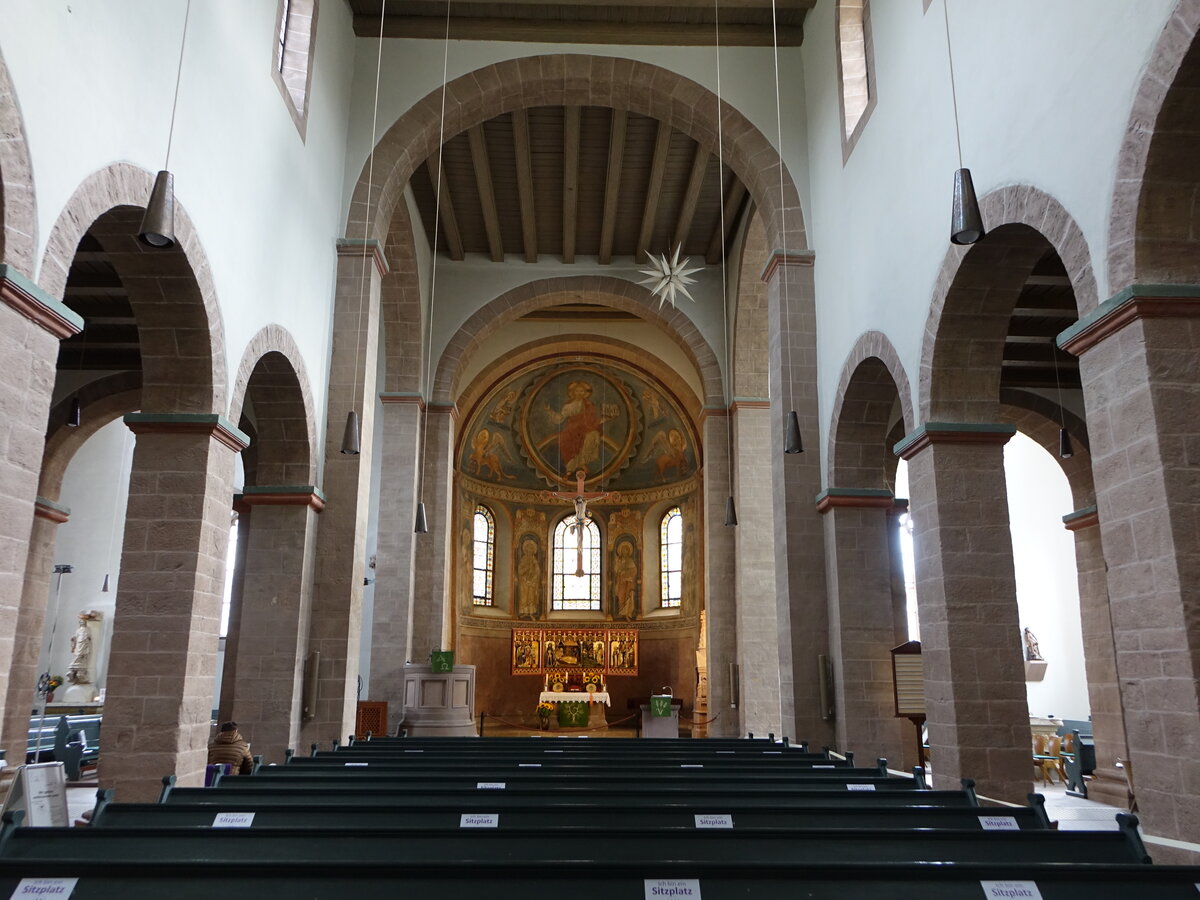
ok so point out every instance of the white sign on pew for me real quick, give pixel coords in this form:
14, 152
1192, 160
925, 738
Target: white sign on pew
999, 823
44, 887
479, 820
490, 786
357, 764
233, 820
718, 820
860, 787
40, 789
1011, 890
672, 887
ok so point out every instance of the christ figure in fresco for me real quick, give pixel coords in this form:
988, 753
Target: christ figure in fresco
579, 431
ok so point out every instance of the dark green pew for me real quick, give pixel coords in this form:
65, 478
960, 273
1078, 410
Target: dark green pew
293, 878
562, 763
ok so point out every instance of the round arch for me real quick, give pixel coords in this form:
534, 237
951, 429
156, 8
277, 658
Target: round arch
18, 214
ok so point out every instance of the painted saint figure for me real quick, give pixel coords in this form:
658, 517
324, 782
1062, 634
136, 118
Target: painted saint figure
625, 570
579, 431
529, 581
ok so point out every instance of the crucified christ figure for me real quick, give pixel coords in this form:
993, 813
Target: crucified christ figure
582, 517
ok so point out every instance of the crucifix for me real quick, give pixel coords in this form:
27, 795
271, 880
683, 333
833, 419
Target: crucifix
582, 517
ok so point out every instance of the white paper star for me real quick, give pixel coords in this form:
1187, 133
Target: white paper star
669, 277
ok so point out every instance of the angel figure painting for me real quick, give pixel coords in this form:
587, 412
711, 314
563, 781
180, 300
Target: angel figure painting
486, 449
669, 451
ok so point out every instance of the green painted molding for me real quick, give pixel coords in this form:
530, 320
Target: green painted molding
27, 287
1079, 514
195, 420
285, 489
855, 492
930, 429
50, 504
1122, 298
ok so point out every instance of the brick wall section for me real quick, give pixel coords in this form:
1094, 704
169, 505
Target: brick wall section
858, 453
861, 633
720, 578
336, 624
751, 333
798, 531
971, 641
395, 573
18, 220
431, 593
757, 626
273, 624
164, 641
1141, 393
400, 309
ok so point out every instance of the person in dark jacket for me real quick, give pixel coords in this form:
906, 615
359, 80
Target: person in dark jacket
230, 747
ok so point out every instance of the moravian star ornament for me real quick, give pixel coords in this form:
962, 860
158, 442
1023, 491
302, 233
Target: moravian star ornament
669, 277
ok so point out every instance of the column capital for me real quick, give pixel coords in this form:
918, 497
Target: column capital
50, 511
36, 305
214, 425
360, 247
282, 495
740, 403
402, 397
1081, 519
1138, 301
953, 433
805, 258
855, 498
445, 409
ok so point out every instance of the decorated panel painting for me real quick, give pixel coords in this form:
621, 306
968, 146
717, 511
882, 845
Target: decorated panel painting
573, 654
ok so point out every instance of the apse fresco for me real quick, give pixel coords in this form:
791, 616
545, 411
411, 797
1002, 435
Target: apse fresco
538, 429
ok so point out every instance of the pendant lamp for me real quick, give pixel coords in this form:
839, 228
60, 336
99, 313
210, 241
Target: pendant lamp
351, 442
75, 416
1065, 450
793, 443
966, 221
158, 222
730, 513
421, 526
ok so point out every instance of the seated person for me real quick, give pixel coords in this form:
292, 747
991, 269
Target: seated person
230, 747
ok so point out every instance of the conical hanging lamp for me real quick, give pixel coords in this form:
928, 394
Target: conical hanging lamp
351, 439
730, 513
421, 526
158, 222
793, 443
966, 221
1065, 450
104, 587
75, 416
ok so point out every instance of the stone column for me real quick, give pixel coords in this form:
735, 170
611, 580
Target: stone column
431, 625
31, 325
1099, 657
391, 624
798, 531
720, 574
30, 627
168, 611
276, 602
1138, 355
336, 625
758, 641
861, 629
978, 713
234, 630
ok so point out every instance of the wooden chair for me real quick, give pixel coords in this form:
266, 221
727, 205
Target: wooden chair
1046, 757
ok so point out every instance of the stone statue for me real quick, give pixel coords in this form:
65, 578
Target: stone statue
529, 581
1032, 651
81, 648
625, 571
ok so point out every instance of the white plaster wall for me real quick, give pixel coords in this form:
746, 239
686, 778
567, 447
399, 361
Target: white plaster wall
95, 80
1044, 95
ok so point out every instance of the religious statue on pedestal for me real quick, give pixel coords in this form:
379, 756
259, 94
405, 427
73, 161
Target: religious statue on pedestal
81, 649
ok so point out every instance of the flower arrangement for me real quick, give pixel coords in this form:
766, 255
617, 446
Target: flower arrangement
544, 710
54, 682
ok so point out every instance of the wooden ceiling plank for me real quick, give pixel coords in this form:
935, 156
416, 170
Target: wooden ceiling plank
654, 184
487, 193
691, 197
524, 161
612, 184
662, 34
571, 126
446, 216
733, 199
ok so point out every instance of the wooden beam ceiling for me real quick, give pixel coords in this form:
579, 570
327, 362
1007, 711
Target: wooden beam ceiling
487, 193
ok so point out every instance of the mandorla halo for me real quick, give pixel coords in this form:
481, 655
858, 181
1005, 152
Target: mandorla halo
669, 277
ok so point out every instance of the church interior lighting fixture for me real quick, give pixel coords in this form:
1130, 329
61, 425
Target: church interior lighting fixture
966, 221
420, 523
158, 222
669, 276
1065, 450
352, 436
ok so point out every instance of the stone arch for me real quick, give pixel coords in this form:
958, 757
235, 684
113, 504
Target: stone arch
1153, 223
974, 296
563, 79
873, 381
616, 293
272, 376
1037, 418
100, 402
18, 215
171, 290
751, 327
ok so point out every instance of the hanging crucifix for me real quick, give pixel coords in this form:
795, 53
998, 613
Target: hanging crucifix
582, 517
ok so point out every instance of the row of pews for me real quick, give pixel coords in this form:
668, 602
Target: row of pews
594, 819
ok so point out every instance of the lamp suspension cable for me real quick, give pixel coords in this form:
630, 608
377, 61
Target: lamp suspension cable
792, 442
966, 221
158, 222
1065, 450
421, 525
352, 437
730, 506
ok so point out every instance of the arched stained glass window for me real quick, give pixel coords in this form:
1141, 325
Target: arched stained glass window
483, 560
671, 560
576, 566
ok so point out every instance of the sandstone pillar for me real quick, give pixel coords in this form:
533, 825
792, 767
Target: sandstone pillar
431, 625
720, 574
168, 610
975, 696
31, 325
861, 629
1138, 355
